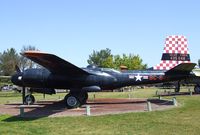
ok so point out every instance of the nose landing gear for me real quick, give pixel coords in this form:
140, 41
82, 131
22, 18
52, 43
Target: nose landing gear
29, 99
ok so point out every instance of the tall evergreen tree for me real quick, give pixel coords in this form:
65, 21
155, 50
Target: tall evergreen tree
8, 60
24, 62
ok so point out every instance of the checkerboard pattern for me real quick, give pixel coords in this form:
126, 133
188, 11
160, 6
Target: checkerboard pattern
176, 44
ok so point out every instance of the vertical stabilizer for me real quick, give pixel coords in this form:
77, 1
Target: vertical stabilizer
175, 52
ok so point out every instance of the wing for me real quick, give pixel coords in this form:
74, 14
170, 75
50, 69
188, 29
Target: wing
54, 64
183, 68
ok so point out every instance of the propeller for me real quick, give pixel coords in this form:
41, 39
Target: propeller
19, 77
17, 69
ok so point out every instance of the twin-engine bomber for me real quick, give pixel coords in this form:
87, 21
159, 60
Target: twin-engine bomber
57, 73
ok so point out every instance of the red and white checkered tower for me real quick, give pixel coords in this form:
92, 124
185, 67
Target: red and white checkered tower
175, 52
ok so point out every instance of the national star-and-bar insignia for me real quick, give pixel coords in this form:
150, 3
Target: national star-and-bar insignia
138, 77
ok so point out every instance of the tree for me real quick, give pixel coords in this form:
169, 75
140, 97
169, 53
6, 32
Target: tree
1, 71
132, 62
24, 62
108, 62
8, 60
102, 58
199, 63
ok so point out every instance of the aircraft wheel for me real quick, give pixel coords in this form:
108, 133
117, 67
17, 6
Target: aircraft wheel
29, 99
71, 101
197, 89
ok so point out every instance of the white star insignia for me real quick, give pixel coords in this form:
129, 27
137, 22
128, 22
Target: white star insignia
138, 77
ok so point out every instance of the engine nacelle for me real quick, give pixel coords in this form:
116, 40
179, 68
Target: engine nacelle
43, 90
92, 89
35, 77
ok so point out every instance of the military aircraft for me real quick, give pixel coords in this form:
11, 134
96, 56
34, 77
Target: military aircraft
59, 74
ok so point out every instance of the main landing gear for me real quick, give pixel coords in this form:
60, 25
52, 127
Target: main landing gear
75, 99
197, 89
28, 99
177, 87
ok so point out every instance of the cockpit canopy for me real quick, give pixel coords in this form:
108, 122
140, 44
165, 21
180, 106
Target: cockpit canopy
109, 70
92, 66
96, 68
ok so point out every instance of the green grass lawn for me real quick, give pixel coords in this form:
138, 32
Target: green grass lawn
183, 120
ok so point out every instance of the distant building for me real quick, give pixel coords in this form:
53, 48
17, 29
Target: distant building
123, 68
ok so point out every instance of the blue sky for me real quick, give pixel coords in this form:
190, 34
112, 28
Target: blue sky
73, 29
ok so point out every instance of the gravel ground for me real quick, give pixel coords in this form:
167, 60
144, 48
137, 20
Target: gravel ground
97, 107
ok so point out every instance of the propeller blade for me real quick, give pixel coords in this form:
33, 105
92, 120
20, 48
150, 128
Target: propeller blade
23, 94
17, 69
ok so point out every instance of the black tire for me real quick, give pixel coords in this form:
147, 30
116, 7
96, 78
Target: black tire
71, 101
197, 89
29, 99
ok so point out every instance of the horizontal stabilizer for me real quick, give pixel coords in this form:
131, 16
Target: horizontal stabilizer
54, 64
183, 68
196, 72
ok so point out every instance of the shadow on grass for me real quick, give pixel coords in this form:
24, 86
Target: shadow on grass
37, 111
17, 118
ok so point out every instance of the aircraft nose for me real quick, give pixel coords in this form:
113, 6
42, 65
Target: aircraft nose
17, 79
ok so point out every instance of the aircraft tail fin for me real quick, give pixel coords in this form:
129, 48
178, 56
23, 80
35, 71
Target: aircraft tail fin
183, 68
175, 52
